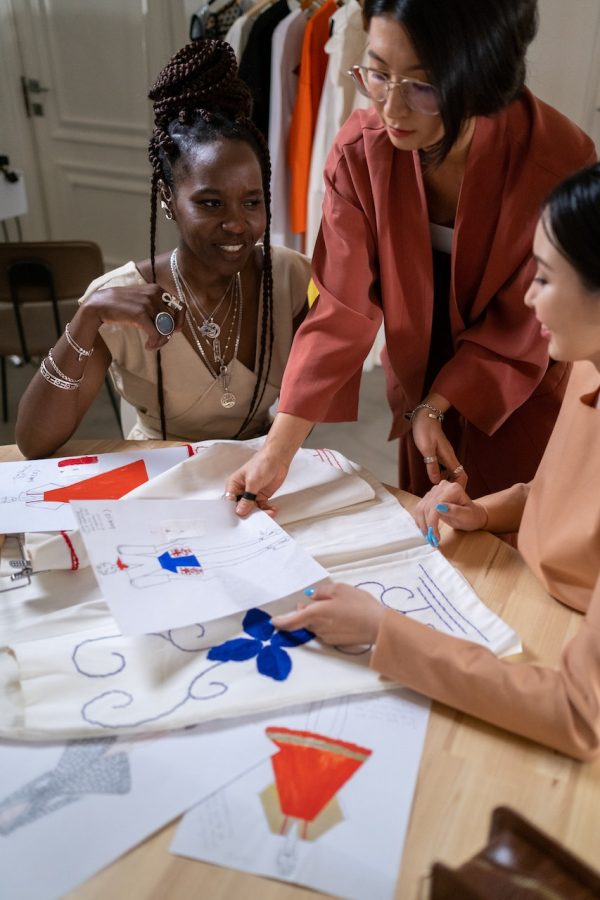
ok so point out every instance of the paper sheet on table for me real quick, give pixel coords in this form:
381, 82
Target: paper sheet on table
319, 482
163, 564
330, 809
35, 494
68, 810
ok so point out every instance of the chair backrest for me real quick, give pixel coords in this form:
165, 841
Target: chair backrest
40, 283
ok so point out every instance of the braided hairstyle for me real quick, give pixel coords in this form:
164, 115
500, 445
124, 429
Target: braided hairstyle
199, 99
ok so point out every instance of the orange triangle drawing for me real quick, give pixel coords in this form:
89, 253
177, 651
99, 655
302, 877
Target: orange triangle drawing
310, 769
106, 486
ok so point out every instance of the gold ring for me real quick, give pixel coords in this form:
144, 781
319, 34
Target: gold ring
428, 460
458, 470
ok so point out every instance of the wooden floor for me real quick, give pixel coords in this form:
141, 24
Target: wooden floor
364, 441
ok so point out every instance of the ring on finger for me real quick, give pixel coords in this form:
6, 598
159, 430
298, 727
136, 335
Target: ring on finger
171, 301
246, 495
429, 460
458, 470
229, 495
164, 323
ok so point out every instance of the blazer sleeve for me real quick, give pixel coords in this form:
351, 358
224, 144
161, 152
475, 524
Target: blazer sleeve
558, 708
322, 377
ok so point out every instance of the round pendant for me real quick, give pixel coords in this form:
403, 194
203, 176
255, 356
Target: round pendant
210, 330
228, 400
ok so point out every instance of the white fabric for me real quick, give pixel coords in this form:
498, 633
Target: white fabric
286, 50
82, 679
238, 34
339, 98
441, 237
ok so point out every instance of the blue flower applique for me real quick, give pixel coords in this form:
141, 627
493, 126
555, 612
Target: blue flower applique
264, 643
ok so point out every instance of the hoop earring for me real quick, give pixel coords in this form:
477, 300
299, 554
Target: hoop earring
168, 213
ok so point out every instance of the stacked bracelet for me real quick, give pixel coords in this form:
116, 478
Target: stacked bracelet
55, 380
434, 412
81, 351
61, 374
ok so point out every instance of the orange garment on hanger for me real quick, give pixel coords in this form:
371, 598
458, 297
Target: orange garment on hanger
313, 65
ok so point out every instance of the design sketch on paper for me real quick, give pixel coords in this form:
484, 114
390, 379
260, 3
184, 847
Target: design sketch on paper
329, 457
310, 769
148, 565
427, 602
85, 767
264, 643
111, 485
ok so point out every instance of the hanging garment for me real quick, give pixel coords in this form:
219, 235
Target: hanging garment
255, 66
312, 75
286, 50
345, 48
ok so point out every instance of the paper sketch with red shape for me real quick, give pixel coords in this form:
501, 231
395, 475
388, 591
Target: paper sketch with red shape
310, 769
111, 485
35, 495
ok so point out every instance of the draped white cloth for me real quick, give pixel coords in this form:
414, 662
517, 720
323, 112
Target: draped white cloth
66, 671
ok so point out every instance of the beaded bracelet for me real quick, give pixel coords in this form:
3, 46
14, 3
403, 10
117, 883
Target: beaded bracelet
61, 374
55, 381
434, 413
81, 351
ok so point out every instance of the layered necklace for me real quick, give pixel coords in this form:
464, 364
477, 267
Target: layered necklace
209, 329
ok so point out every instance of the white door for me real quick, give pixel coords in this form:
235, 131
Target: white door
86, 70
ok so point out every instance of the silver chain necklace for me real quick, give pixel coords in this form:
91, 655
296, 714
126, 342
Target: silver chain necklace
209, 328
220, 371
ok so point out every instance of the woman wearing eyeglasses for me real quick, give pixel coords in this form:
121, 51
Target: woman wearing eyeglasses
432, 197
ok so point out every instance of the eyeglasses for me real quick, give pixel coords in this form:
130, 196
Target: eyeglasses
418, 95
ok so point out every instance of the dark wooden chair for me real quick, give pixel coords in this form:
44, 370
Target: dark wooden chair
40, 284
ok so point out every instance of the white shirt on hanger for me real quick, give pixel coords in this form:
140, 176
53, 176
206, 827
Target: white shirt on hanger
286, 50
345, 48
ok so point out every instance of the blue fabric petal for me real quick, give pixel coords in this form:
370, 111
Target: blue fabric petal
236, 650
291, 638
258, 624
274, 663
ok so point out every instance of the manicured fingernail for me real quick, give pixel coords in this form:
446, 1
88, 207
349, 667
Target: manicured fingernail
431, 537
309, 592
442, 507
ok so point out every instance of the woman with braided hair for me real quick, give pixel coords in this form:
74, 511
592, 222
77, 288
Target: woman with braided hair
196, 339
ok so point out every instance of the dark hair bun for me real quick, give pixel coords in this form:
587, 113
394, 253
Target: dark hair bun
201, 76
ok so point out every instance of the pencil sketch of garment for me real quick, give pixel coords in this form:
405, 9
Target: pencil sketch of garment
85, 767
185, 558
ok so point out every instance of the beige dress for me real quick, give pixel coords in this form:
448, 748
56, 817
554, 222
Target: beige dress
191, 395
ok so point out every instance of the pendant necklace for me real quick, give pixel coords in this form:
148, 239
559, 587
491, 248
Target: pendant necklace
211, 330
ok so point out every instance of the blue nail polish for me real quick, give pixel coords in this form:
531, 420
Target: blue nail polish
442, 507
309, 592
431, 538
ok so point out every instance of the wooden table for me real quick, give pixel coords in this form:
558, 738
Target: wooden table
467, 769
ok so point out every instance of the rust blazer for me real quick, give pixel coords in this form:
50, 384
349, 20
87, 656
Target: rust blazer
373, 260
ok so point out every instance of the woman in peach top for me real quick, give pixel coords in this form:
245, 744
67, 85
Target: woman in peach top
557, 514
